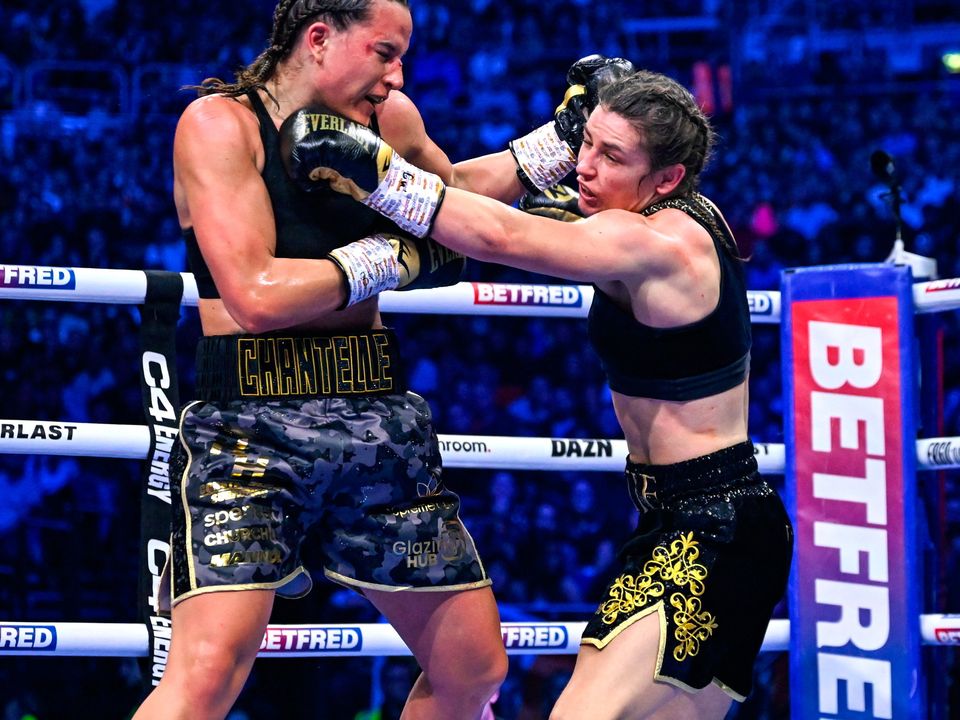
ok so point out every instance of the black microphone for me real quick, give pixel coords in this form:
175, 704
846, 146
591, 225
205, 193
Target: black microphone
882, 165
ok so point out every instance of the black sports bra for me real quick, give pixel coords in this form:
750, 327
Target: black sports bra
688, 362
309, 225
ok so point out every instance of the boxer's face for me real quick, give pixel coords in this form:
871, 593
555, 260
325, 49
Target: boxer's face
614, 169
361, 65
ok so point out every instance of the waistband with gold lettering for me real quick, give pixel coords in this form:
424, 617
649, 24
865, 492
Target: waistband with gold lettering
292, 365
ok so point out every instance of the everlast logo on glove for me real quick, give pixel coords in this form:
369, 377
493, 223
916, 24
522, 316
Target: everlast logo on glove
317, 121
350, 158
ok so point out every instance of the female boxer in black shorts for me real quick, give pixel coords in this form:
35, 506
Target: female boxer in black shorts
679, 627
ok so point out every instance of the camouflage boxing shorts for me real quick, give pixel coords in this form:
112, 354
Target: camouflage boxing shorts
361, 474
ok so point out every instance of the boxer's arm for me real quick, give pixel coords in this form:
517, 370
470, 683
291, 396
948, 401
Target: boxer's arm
493, 175
611, 245
392, 261
324, 152
402, 126
219, 191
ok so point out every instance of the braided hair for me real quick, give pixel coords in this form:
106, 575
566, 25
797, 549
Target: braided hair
669, 120
289, 17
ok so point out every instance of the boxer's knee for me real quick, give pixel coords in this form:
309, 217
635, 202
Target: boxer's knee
209, 673
476, 673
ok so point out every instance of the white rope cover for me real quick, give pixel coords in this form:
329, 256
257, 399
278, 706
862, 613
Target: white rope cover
358, 640
30, 282
36, 437
937, 295
35, 282
326, 640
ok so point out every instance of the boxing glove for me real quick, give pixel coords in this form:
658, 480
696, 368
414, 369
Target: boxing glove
425, 263
584, 80
557, 202
322, 150
388, 261
546, 155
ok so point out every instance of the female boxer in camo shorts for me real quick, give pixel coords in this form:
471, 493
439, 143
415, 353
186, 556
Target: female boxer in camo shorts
303, 421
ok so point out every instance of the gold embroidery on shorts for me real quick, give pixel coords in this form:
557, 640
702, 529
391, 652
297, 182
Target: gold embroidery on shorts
676, 564
693, 625
629, 593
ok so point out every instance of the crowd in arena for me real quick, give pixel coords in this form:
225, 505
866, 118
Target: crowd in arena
85, 182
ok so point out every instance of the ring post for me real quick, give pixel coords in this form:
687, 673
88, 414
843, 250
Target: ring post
160, 397
932, 496
850, 428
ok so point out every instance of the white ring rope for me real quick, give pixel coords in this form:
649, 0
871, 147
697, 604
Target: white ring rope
34, 282
317, 640
356, 640
36, 437
132, 441
30, 282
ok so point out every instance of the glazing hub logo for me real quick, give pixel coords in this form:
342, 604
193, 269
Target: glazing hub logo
28, 637
29, 276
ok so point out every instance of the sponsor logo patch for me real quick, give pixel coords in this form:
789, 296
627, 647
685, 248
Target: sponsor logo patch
544, 295
30, 276
28, 637
947, 636
312, 639
760, 303
540, 637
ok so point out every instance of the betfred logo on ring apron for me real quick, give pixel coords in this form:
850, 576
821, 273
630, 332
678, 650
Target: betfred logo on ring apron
851, 456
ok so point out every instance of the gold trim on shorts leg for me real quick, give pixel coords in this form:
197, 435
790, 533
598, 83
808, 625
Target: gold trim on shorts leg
168, 571
476, 554
188, 539
675, 562
276, 585
661, 613
352, 583
728, 690
733, 694
662, 642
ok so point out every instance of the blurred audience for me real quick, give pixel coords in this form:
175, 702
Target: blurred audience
85, 182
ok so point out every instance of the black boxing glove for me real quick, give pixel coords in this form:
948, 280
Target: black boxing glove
557, 202
585, 78
546, 155
425, 263
388, 261
320, 149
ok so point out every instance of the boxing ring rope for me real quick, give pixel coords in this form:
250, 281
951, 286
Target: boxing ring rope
357, 640
489, 452
485, 452
28, 282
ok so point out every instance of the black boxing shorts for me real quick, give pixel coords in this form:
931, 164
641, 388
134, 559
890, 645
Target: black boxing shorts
360, 472
710, 555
